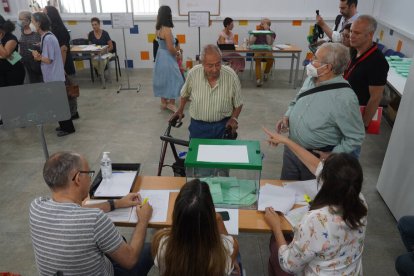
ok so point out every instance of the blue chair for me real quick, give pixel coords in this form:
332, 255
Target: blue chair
389, 52
401, 55
381, 47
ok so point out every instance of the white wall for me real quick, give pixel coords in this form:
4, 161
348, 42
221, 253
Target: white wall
281, 12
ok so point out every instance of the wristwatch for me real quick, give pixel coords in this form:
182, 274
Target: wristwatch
111, 204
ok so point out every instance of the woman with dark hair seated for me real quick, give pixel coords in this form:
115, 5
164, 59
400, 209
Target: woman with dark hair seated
226, 36
10, 74
330, 237
197, 242
100, 37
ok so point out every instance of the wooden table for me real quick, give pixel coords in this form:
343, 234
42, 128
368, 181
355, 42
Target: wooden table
293, 52
249, 220
98, 51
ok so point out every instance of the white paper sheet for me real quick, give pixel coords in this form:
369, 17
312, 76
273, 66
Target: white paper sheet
118, 185
280, 199
117, 215
232, 225
300, 188
223, 153
282, 46
159, 200
294, 216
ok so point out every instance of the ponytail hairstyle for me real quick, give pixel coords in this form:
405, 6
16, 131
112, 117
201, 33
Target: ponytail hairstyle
342, 179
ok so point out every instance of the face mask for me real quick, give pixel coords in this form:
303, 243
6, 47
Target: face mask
312, 71
19, 24
32, 27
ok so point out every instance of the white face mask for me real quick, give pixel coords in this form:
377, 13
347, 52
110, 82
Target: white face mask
312, 71
32, 27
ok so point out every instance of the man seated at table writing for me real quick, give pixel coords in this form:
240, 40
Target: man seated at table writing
263, 39
70, 238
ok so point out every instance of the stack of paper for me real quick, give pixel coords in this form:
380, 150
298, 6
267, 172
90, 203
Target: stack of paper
302, 188
117, 215
282, 200
282, 46
117, 186
159, 200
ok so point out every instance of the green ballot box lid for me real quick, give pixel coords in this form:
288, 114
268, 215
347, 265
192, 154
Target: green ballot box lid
227, 154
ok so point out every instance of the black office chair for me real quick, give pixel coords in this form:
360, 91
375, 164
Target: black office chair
82, 57
115, 58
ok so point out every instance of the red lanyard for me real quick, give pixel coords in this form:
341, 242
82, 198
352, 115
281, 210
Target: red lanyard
348, 70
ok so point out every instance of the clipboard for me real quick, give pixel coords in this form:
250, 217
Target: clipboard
115, 167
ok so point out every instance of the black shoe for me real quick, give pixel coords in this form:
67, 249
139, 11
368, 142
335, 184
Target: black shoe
64, 133
58, 129
75, 117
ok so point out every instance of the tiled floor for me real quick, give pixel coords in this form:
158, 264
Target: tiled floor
129, 125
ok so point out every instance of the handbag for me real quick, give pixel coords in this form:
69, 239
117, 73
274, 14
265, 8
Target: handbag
72, 88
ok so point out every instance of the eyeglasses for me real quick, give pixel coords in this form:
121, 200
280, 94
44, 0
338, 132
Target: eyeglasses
90, 173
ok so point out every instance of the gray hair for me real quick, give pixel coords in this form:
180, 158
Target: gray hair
26, 15
209, 49
371, 22
58, 168
337, 55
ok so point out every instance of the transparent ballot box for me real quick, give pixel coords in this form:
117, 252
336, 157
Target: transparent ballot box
231, 168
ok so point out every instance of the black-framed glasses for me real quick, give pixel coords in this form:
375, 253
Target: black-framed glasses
90, 173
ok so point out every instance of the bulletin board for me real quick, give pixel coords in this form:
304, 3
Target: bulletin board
212, 6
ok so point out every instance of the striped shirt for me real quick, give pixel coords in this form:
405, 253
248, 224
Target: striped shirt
71, 239
212, 104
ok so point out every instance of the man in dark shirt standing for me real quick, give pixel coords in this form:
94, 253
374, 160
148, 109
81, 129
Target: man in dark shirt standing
367, 71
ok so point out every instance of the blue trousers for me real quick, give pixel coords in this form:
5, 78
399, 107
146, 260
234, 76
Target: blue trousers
405, 263
213, 130
142, 267
294, 169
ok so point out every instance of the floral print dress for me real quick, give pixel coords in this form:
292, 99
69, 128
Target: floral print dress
323, 244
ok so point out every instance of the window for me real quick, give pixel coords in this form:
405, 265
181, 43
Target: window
100, 6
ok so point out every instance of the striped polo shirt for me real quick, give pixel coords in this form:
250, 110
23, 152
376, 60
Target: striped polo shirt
71, 239
212, 104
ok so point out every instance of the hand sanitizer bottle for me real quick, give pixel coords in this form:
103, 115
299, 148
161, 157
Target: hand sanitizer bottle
106, 166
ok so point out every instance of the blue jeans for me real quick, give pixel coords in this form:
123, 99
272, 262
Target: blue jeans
142, 267
405, 263
213, 130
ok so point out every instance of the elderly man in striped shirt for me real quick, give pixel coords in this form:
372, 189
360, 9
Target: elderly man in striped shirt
75, 240
215, 94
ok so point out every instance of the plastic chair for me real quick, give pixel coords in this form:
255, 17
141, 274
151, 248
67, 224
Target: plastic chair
115, 58
82, 57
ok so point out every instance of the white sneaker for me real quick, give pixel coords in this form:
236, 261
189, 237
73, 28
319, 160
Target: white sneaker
259, 82
265, 77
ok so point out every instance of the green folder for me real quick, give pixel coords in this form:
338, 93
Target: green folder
14, 58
